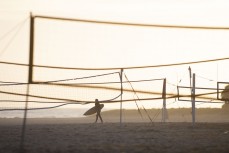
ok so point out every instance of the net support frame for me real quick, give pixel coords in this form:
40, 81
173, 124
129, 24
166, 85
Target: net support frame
30, 80
193, 100
121, 76
164, 111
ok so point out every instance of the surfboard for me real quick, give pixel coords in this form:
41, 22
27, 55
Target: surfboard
92, 110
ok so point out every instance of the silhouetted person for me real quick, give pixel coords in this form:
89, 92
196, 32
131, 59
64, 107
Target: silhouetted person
98, 111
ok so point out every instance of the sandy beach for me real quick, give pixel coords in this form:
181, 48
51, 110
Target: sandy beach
69, 135
111, 137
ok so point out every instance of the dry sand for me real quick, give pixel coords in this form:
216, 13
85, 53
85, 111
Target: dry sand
70, 135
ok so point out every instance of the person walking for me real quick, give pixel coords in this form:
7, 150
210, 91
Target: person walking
98, 111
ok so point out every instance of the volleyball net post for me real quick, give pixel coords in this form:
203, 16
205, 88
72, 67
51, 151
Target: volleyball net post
164, 110
30, 79
193, 99
121, 76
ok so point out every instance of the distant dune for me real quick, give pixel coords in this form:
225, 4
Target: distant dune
174, 115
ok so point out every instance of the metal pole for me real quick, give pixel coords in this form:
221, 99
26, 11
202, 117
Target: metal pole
31, 49
121, 74
190, 77
24, 122
217, 90
30, 76
193, 100
164, 111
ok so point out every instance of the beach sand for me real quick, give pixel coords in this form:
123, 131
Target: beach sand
81, 135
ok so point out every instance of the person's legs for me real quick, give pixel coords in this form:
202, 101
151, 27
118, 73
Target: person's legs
96, 118
100, 118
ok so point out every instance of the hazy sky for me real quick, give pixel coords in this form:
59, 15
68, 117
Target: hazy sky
144, 45
141, 46
74, 44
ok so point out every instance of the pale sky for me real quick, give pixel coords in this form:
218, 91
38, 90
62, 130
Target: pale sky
74, 44
147, 43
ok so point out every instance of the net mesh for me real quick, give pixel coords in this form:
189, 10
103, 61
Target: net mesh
54, 91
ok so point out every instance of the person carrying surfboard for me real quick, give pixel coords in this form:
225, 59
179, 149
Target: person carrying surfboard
98, 111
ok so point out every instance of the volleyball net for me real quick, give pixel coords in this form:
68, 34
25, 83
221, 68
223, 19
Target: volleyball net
57, 87
82, 87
